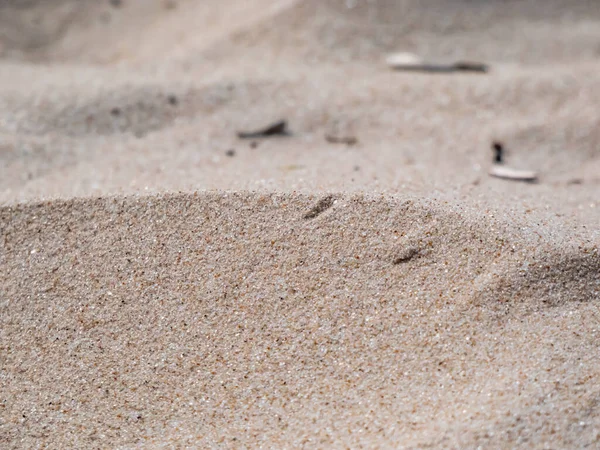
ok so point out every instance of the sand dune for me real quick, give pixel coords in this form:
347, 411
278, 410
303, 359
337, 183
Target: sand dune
209, 318
497, 30
164, 283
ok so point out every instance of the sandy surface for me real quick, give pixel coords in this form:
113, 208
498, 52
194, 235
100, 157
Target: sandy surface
165, 284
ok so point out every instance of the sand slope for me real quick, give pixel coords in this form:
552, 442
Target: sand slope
155, 291
210, 318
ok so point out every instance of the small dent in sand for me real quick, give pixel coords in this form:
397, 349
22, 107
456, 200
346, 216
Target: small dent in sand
405, 255
323, 205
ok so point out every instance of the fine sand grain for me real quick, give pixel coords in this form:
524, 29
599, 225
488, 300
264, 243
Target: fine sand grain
359, 281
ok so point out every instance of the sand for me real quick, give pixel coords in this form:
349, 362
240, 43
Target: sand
359, 283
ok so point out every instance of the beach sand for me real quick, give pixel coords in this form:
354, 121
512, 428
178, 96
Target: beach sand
361, 282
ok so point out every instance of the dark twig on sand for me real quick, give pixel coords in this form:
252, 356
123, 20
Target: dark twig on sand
467, 66
498, 152
413, 63
444, 68
276, 129
348, 140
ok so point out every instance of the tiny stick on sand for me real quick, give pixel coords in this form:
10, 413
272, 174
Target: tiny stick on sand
413, 63
277, 128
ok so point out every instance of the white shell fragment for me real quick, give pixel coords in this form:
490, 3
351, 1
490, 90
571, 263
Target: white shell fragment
403, 60
513, 174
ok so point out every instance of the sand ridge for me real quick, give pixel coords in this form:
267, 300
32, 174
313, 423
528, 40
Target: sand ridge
250, 319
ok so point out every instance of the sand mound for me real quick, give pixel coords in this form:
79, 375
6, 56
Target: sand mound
86, 31
287, 320
126, 31
89, 32
119, 108
31, 26
33, 29
495, 31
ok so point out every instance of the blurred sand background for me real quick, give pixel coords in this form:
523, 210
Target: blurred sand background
165, 284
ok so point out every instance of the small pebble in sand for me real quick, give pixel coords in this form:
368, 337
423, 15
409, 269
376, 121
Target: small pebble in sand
230, 153
173, 100
116, 3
